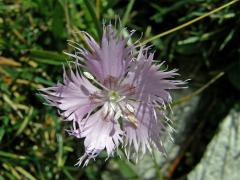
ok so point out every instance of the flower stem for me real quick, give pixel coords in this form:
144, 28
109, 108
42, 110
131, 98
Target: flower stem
189, 22
198, 91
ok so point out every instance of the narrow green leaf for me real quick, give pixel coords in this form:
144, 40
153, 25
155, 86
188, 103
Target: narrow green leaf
48, 61
2, 131
189, 40
25, 122
9, 175
43, 81
12, 105
227, 39
48, 57
128, 10
58, 25
11, 155
65, 171
15, 173
60, 160
92, 11
25, 173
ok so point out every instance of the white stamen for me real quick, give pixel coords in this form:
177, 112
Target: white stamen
122, 98
88, 75
133, 119
113, 106
118, 114
130, 108
105, 109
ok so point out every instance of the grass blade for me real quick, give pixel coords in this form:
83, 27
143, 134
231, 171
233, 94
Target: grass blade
92, 13
188, 23
25, 122
11, 155
25, 173
48, 57
126, 15
198, 91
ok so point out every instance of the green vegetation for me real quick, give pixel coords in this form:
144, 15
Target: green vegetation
33, 36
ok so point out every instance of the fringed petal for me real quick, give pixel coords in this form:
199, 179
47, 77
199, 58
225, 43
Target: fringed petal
100, 134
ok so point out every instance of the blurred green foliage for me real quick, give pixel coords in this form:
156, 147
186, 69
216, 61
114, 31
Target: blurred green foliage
33, 36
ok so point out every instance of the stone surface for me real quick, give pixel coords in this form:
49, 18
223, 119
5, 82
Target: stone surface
221, 160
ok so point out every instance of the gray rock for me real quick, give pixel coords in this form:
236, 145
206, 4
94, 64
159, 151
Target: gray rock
221, 160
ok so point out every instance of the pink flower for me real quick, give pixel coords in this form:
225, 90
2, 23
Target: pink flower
117, 98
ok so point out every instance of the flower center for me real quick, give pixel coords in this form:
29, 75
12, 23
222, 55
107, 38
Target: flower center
113, 107
113, 96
